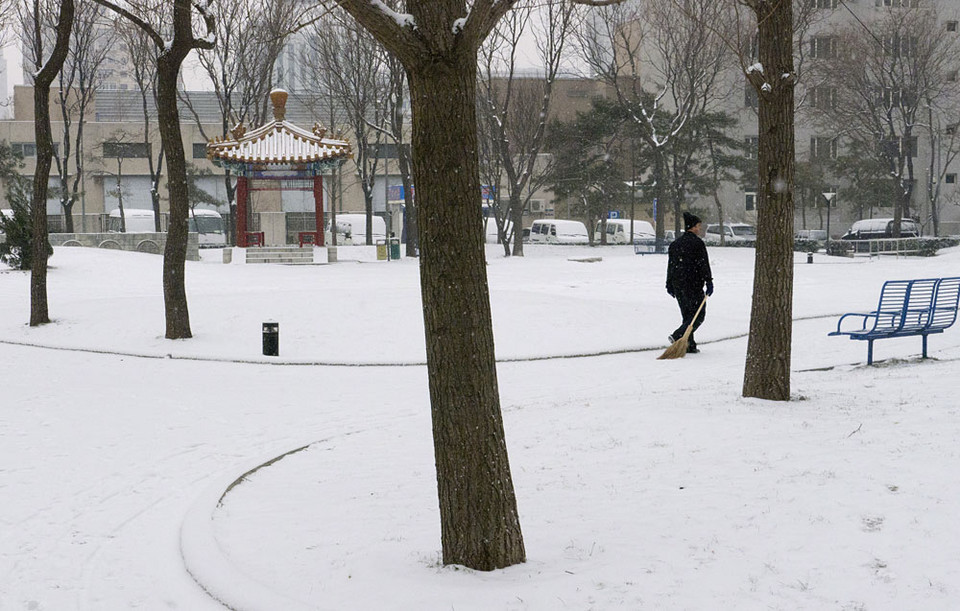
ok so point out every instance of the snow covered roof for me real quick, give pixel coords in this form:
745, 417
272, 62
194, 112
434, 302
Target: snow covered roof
278, 142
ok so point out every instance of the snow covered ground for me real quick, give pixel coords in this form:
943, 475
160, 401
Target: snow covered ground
641, 483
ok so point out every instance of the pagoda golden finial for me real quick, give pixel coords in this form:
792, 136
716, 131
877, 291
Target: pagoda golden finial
279, 99
238, 131
319, 130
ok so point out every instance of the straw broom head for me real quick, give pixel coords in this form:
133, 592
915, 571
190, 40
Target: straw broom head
678, 349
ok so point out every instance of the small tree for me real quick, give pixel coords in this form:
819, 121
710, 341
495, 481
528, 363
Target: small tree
17, 227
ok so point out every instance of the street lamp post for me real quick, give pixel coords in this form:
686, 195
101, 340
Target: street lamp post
829, 196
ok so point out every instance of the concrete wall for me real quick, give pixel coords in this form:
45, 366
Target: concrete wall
152, 243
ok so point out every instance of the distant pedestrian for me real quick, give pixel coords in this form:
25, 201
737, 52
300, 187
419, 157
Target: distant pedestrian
688, 271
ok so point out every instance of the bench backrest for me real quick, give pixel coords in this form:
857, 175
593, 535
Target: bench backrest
893, 297
916, 314
944, 311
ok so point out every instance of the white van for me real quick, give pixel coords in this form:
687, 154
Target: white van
207, 224
618, 231
209, 227
135, 220
558, 231
358, 227
344, 233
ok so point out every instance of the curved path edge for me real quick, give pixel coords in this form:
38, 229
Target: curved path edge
282, 363
208, 565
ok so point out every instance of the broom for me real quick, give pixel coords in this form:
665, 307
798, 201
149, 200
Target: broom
678, 349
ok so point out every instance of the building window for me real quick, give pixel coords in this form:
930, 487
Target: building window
388, 150
899, 3
900, 46
901, 146
951, 179
824, 3
750, 200
24, 149
126, 150
199, 150
952, 76
951, 26
951, 129
824, 98
824, 47
823, 147
750, 97
751, 147
895, 97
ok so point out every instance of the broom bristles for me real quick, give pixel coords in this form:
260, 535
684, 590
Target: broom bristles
676, 350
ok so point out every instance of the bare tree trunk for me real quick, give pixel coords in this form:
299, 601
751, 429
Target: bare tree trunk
175, 252
767, 370
39, 312
480, 526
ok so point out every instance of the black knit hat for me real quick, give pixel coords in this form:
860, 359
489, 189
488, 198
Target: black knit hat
690, 220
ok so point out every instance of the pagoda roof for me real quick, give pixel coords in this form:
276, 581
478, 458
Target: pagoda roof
278, 142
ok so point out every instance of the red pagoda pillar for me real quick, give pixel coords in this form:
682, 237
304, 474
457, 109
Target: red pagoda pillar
318, 206
241, 224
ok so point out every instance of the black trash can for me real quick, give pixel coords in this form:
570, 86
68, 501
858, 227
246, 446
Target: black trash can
271, 339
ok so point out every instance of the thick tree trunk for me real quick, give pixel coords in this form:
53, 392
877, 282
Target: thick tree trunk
480, 527
767, 371
175, 253
40, 244
39, 312
517, 221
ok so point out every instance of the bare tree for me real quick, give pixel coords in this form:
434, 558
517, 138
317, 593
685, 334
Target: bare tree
77, 84
513, 109
663, 61
884, 80
352, 68
143, 57
172, 50
240, 67
41, 21
396, 111
942, 122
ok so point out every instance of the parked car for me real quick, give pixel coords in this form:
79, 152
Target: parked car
558, 231
811, 234
874, 229
618, 231
732, 232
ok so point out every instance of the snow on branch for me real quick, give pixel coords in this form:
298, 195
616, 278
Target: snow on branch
402, 19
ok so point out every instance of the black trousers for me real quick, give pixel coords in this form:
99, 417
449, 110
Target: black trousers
689, 302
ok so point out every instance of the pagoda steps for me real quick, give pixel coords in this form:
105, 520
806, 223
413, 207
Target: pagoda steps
284, 255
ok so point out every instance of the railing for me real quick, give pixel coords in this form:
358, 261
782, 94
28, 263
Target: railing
878, 247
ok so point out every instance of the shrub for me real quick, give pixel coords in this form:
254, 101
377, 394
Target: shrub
838, 248
806, 245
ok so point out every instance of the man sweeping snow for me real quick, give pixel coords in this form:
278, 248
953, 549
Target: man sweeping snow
688, 270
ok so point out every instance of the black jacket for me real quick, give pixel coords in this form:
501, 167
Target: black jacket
688, 267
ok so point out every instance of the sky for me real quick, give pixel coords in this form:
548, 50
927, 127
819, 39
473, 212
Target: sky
640, 483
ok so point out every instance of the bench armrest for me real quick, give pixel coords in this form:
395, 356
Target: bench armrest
865, 316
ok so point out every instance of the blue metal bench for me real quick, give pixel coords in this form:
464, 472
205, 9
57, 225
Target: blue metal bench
907, 307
